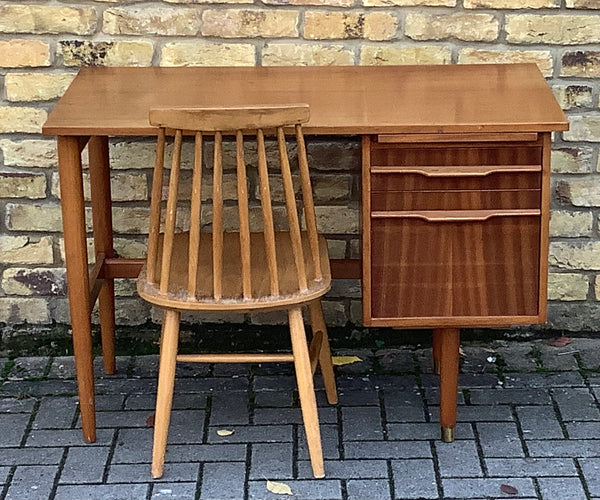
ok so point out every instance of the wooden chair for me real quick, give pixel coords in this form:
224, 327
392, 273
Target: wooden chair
241, 271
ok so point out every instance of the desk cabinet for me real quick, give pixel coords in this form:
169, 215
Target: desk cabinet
455, 229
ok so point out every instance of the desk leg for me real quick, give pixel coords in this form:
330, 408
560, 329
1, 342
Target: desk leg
103, 242
449, 344
73, 215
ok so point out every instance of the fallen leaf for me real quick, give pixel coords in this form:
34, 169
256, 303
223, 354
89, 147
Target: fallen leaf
279, 488
508, 489
344, 360
560, 341
225, 432
150, 420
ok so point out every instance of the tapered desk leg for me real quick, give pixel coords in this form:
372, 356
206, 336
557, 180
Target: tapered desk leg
449, 341
73, 214
103, 242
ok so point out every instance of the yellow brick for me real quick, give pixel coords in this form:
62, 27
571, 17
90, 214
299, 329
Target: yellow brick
24, 53
342, 25
36, 86
22, 185
572, 160
542, 58
468, 27
293, 54
29, 153
409, 3
337, 220
207, 54
16, 311
21, 250
565, 224
380, 26
38, 281
21, 119
553, 29
96, 53
328, 3
379, 55
124, 186
583, 4
234, 23
151, 21
567, 286
47, 19
327, 25
583, 128
511, 4
22, 217
573, 96
581, 63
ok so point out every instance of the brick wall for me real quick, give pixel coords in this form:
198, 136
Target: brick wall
42, 44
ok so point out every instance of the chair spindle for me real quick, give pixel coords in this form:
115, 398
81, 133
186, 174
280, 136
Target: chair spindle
242, 190
195, 217
265, 200
157, 185
309, 205
217, 236
171, 216
292, 212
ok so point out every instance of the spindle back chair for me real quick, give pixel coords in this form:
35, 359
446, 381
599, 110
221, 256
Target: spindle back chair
236, 270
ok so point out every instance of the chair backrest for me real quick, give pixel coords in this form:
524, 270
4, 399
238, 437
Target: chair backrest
256, 121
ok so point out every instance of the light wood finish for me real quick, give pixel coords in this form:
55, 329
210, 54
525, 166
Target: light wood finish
306, 391
473, 137
71, 187
103, 243
343, 100
438, 100
238, 270
324, 360
166, 382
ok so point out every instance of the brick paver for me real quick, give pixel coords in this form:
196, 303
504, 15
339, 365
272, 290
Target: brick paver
534, 431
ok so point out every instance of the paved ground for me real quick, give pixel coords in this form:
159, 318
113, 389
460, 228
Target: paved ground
529, 428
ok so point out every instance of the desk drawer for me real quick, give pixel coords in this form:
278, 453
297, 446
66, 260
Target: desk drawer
451, 188
454, 264
455, 155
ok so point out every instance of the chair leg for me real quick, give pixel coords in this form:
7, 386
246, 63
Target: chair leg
318, 325
166, 381
306, 390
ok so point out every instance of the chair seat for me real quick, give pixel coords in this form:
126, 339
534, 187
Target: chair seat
289, 292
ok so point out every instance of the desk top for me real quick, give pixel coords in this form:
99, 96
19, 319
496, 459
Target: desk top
343, 99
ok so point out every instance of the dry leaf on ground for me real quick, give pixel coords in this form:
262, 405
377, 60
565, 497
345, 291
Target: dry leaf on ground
560, 341
508, 489
225, 432
150, 420
279, 488
345, 360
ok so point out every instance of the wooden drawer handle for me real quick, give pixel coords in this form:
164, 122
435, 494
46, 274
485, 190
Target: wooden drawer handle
454, 215
457, 171
466, 137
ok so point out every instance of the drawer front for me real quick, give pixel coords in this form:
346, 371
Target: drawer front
448, 155
455, 200
454, 267
402, 180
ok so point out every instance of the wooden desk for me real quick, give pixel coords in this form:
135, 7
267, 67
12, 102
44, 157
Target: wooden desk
429, 105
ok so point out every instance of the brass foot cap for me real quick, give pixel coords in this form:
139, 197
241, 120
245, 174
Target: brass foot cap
448, 434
